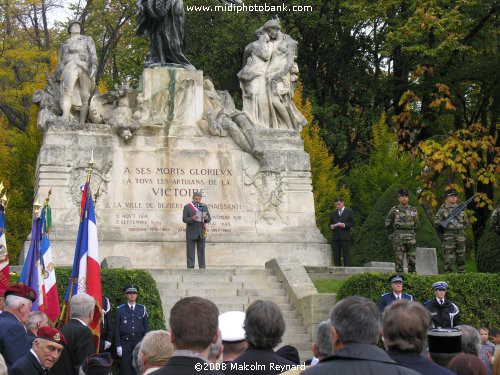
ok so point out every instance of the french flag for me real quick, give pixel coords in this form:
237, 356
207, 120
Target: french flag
51, 303
86, 272
4, 256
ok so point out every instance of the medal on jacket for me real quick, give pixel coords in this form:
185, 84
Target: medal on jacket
125, 321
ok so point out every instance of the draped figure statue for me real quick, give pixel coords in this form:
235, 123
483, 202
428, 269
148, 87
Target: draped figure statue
163, 21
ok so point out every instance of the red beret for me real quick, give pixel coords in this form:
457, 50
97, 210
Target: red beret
21, 290
51, 334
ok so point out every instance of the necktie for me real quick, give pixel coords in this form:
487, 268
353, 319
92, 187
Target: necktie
440, 301
397, 297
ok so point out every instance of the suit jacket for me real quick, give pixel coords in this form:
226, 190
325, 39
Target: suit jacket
194, 229
263, 357
418, 363
387, 298
14, 343
79, 346
347, 218
180, 365
28, 365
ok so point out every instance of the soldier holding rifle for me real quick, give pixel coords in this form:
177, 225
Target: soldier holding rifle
452, 221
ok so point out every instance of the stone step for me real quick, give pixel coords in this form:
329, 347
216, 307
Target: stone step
262, 293
254, 279
253, 272
174, 285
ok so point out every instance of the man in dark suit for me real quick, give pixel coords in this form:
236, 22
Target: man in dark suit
46, 350
14, 343
196, 216
194, 326
396, 294
78, 335
341, 222
405, 326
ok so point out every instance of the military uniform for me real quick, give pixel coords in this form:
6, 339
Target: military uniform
131, 324
387, 298
453, 236
106, 331
401, 223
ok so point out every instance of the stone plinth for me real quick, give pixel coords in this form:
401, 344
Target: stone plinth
426, 261
260, 208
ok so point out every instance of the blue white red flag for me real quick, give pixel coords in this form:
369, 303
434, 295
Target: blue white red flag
86, 272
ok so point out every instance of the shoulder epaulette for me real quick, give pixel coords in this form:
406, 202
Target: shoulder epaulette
120, 306
427, 302
409, 295
385, 294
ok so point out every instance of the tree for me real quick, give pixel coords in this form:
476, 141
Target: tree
385, 166
326, 177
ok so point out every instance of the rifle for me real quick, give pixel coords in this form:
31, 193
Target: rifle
456, 211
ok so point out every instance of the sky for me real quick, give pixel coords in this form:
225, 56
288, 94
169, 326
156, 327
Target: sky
61, 14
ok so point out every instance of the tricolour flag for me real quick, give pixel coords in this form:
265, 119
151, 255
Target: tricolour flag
51, 303
32, 269
86, 272
4, 255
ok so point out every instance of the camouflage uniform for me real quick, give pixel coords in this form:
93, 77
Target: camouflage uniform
401, 223
495, 220
453, 237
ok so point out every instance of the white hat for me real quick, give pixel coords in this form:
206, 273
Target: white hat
231, 326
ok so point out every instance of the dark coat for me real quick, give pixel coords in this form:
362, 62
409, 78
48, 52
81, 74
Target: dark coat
180, 365
262, 357
347, 218
79, 346
28, 365
14, 342
418, 363
387, 298
359, 359
106, 330
194, 229
445, 315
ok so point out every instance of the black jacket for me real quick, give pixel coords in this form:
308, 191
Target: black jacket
28, 365
79, 346
418, 363
262, 357
179, 365
445, 315
347, 218
359, 359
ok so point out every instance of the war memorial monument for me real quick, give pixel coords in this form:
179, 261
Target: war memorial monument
155, 144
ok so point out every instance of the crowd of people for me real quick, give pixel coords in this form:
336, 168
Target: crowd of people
201, 340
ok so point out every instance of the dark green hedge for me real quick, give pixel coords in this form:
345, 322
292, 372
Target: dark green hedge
373, 243
476, 294
113, 282
488, 251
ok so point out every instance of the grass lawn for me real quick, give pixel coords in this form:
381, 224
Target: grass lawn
328, 285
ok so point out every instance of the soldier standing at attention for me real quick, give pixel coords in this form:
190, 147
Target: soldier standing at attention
401, 223
453, 234
131, 324
444, 313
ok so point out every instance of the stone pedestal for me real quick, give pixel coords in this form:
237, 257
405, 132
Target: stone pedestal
426, 261
260, 208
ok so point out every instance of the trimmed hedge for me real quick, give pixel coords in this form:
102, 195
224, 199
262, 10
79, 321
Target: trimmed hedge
475, 294
373, 243
488, 251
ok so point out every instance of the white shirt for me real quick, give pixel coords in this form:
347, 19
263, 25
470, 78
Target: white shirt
33, 352
398, 296
81, 321
150, 370
131, 306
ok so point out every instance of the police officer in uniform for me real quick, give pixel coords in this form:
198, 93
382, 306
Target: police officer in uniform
453, 234
131, 324
444, 313
401, 223
396, 294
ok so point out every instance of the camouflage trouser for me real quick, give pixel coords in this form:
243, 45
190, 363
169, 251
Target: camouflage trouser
404, 244
454, 245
